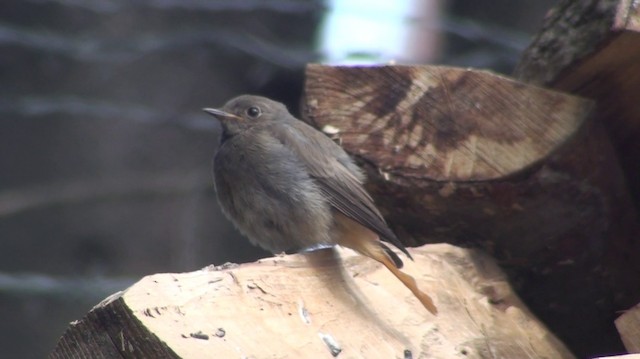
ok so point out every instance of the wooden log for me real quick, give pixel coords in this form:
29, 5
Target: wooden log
317, 305
592, 49
628, 325
468, 157
440, 123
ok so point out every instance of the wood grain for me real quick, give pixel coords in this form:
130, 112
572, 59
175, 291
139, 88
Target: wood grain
317, 306
592, 49
467, 157
441, 123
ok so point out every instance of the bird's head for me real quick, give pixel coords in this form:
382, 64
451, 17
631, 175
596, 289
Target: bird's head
246, 111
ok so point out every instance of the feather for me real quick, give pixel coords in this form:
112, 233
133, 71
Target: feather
339, 179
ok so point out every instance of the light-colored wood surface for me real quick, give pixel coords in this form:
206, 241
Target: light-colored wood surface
628, 325
302, 306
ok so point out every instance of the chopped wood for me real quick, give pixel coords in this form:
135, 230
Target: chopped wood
440, 123
592, 49
317, 305
469, 157
628, 325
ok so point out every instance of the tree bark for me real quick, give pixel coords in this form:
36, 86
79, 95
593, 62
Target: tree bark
592, 49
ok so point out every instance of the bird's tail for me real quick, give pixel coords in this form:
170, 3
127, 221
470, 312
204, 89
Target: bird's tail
392, 255
359, 238
408, 282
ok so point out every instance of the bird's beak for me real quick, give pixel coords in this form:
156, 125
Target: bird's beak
221, 114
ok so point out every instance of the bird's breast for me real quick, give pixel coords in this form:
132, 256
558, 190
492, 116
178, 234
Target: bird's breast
266, 191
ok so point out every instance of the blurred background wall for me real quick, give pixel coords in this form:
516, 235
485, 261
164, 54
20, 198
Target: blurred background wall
105, 156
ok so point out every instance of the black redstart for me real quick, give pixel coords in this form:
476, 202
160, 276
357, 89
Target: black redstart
287, 186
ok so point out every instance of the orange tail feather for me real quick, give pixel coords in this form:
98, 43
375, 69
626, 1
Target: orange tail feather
362, 240
410, 283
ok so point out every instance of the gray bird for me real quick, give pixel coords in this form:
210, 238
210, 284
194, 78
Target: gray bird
287, 186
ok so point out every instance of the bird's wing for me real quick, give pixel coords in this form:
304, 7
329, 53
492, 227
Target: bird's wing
336, 176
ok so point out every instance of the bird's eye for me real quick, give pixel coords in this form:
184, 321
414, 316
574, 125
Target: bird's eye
254, 112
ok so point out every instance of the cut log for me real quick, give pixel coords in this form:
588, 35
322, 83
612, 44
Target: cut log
628, 325
592, 49
440, 123
468, 157
317, 305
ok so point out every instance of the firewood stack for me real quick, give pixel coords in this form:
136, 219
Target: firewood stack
539, 174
